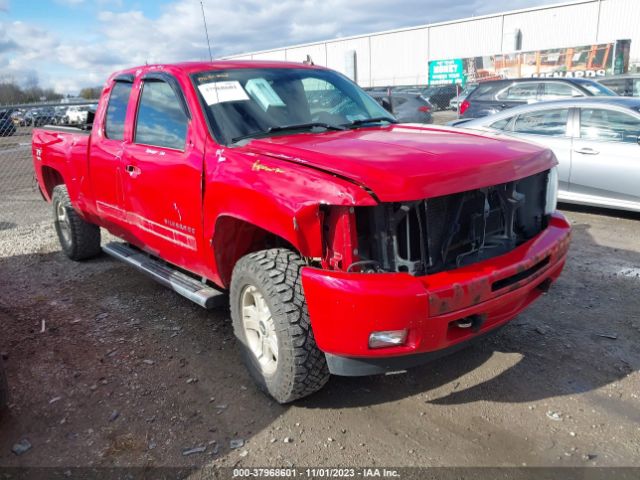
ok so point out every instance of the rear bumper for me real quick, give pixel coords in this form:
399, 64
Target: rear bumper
346, 307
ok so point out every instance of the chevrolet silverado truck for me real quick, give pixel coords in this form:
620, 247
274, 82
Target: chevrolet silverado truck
344, 242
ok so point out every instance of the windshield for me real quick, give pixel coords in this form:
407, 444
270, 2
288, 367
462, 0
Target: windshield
597, 89
241, 103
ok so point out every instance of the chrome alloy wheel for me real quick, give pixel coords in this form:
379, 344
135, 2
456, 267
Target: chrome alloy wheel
259, 329
63, 222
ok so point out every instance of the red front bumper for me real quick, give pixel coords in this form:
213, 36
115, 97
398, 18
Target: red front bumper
346, 307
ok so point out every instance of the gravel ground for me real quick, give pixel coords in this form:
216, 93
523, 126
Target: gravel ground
108, 368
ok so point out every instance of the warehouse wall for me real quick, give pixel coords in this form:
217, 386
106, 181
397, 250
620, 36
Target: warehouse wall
401, 57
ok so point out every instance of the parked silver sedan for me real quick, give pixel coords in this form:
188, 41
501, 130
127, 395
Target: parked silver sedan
596, 141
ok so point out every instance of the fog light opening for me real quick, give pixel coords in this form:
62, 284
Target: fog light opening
387, 338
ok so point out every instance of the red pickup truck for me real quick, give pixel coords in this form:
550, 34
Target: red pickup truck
348, 244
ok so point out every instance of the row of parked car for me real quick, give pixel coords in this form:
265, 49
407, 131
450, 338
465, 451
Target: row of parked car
415, 103
593, 127
11, 118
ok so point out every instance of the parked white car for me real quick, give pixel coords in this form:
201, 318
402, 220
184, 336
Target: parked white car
77, 115
596, 141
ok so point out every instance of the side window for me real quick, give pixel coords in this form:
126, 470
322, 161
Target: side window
548, 122
553, 90
161, 120
501, 124
636, 87
617, 85
520, 91
397, 101
608, 125
117, 110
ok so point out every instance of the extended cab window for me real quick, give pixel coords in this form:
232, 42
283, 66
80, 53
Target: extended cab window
117, 110
161, 119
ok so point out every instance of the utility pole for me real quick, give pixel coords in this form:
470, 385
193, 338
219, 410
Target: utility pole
206, 32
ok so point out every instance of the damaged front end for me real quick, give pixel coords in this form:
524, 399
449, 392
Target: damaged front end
438, 234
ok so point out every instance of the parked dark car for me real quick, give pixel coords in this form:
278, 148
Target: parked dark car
43, 116
492, 97
438, 95
406, 107
7, 127
624, 85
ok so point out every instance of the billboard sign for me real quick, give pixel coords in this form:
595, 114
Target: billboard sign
586, 61
446, 71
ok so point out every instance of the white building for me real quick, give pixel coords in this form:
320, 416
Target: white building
401, 57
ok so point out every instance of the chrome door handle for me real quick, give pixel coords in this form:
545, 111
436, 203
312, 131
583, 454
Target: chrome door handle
587, 151
132, 170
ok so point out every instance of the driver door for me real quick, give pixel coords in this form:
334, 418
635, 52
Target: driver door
606, 157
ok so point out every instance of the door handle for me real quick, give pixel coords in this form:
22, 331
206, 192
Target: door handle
132, 170
587, 151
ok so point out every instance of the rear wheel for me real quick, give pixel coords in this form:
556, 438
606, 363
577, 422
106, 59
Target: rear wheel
79, 239
271, 320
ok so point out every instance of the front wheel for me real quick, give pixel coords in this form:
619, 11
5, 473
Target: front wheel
271, 320
79, 239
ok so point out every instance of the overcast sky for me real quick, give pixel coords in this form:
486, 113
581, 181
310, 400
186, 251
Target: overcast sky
69, 44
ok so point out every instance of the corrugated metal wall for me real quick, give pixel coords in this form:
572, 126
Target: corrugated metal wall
401, 57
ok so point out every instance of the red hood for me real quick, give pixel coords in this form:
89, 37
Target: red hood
407, 162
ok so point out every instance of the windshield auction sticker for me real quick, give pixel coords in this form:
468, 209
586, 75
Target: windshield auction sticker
219, 92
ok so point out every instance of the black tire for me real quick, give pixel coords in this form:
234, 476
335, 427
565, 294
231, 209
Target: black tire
301, 367
4, 388
79, 239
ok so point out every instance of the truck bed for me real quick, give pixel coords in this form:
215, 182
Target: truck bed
60, 149
73, 129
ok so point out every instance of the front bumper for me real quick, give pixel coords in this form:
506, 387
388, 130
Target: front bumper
346, 307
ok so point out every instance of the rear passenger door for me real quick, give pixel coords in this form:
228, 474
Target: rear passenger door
606, 157
163, 169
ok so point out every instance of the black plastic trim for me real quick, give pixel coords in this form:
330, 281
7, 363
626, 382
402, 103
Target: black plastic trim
125, 77
358, 367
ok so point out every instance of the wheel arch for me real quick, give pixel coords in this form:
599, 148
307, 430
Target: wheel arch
51, 178
235, 237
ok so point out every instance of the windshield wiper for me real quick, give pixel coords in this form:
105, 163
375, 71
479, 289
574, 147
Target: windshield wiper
364, 121
281, 128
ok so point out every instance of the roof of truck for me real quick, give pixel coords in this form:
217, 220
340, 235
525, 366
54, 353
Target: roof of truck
192, 67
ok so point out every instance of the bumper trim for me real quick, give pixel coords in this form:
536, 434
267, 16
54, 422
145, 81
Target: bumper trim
360, 367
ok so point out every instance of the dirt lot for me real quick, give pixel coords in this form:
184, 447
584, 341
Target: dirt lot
108, 368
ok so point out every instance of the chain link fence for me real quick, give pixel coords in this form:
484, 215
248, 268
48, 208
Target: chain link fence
20, 201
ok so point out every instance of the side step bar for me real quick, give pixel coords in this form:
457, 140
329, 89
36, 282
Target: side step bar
191, 288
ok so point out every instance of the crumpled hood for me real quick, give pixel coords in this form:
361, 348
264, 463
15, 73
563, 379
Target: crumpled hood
411, 162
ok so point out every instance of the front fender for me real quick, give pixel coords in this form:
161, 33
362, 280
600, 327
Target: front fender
279, 197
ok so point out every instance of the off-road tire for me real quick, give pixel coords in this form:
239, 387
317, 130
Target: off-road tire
4, 388
83, 241
301, 367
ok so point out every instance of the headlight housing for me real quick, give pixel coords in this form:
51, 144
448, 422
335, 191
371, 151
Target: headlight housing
551, 201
